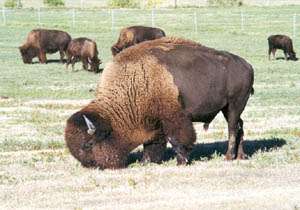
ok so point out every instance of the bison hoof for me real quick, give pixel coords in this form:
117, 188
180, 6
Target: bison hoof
242, 156
181, 160
148, 159
229, 157
145, 160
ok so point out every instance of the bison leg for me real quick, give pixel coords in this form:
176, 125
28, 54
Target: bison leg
154, 151
181, 135
73, 61
285, 55
85, 63
273, 53
232, 114
269, 53
240, 141
42, 57
62, 55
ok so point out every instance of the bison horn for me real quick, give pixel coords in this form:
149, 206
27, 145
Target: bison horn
91, 128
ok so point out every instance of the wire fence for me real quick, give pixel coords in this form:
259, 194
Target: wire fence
188, 21
84, 4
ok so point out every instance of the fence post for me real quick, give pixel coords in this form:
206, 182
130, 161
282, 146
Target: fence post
112, 21
294, 25
39, 15
242, 21
3, 16
195, 23
73, 17
81, 4
152, 17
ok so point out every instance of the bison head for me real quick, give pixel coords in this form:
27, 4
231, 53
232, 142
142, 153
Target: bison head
91, 140
293, 57
115, 50
95, 63
28, 53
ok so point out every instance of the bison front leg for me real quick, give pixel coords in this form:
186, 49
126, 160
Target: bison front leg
269, 53
181, 135
154, 151
62, 55
42, 57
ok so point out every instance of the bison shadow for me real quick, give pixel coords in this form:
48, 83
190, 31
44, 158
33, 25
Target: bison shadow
283, 58
208, 150
51, 61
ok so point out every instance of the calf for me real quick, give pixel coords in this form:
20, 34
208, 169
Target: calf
134, 35
42, 41
284, 43
85, 50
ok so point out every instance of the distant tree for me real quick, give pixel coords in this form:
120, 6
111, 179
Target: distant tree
225, 2
54, 3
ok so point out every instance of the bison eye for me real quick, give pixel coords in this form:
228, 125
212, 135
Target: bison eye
87, 146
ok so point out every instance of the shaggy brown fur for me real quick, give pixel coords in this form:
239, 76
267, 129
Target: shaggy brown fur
85, 50
42, 41
134, 35
151, 93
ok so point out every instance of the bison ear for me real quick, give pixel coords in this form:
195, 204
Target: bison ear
92, 124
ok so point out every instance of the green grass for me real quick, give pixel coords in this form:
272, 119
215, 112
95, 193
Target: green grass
277, 83
42, 97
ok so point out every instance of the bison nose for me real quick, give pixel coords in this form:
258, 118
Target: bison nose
89, 163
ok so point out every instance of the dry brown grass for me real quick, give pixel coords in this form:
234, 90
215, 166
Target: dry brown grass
52, 179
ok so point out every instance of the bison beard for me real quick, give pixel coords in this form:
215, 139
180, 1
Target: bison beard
151, 93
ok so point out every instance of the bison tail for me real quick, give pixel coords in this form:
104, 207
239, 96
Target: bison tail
252, 91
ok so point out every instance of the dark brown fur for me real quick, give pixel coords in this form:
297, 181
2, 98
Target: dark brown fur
42, 41
85, 50
134, 35
284, 43
151, 93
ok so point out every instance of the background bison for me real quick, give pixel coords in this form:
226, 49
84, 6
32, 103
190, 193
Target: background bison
42, 41
284, 43
151, 93
85, 50
134, 35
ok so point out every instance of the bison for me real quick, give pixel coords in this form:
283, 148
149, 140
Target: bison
284, 43
151, 93
134, 35
42, 41
85, 50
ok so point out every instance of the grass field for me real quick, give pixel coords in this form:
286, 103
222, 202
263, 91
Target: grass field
37, 171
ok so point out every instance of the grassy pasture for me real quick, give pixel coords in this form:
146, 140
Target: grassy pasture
36, 170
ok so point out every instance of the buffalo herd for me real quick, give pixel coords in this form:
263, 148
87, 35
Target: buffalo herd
151, 92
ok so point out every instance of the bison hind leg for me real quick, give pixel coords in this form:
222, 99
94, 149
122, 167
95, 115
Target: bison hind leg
235, 131
85, 64
240, 141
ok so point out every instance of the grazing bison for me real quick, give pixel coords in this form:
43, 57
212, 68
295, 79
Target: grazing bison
151, 93
284, 43
42, 41
134, 35
85, 50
